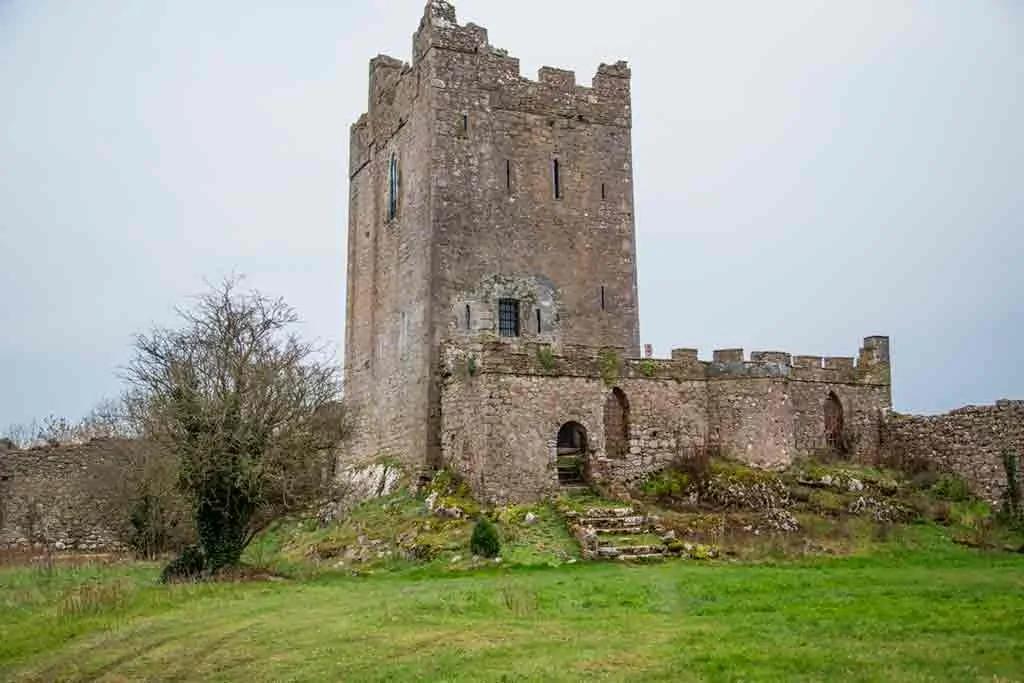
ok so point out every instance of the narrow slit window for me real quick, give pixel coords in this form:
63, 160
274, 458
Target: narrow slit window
469, 319
508, 317
556, 178
393, 188
508, 174
602, 298
603, 195
465, 124
538, 321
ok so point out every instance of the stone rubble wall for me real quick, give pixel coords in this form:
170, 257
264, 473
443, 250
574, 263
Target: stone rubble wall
968, 441
503, 404
52, 495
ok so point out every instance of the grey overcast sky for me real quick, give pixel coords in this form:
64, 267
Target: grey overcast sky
807, 172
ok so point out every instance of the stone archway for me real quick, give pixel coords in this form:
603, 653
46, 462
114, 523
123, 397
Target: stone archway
616, 424
834, 423
571, 452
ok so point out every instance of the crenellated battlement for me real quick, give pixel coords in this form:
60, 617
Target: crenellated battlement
531, 358
555, 92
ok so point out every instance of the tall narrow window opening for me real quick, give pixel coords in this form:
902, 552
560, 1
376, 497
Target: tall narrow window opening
469, 320
556, 178
508, 174
602, 298
603, 196
538, 321
393, 188
465, 124
508, 317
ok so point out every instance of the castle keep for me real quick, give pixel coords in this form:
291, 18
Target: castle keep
492, 322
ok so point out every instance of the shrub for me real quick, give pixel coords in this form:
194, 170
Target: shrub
188, 566
546, 358
1012, 494
648, 368
951, 487
669, 483
485, 541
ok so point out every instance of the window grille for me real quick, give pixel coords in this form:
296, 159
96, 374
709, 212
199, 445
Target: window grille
508, 317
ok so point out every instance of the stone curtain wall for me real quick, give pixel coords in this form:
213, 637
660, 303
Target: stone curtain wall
502, 405
52, 495
969, 442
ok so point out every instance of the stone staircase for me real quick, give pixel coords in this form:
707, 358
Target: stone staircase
621, 533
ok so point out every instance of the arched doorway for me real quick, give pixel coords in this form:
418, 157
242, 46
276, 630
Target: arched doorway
834, 424
571, 451
616, 424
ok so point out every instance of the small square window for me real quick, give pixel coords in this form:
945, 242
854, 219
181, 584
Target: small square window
508, 317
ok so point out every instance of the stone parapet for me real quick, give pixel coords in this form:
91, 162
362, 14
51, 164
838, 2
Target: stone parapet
530, 358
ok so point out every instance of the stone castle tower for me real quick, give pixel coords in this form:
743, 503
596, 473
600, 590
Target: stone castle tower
483, 206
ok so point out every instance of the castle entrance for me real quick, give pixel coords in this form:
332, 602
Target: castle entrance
571, 453
834, 423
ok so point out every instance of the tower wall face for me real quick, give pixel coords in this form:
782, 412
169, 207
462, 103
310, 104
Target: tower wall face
387, 355
477, 219
506, 227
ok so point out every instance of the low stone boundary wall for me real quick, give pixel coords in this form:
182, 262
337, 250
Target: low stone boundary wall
969, 441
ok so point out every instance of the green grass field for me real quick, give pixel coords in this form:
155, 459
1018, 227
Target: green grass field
932, 612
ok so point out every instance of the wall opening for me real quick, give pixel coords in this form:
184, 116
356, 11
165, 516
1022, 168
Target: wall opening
508, 317
616, 424
556, 177
538, 321
508, 175
465, 124
603, 195
571, 452
834, 424
469, 319
393, 188
602, 298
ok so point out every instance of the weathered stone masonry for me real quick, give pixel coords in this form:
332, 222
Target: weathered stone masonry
503, 405
491, 216
969, 441
507, 189
50, 495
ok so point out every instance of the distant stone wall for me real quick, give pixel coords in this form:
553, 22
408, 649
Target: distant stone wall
968, 441
53, 495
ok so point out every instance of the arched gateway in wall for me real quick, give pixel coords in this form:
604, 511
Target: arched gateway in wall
834, 423
571, 452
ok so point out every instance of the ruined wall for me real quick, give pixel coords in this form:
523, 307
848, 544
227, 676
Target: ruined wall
968, 441
502, 406
53, 495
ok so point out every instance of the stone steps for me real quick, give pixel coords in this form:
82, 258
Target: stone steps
604, 533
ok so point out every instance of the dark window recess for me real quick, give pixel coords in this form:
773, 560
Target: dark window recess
557, 179
469, 320
508, 317
465, 124
508, 175
538, 321
393, 188
603, 195
602, 298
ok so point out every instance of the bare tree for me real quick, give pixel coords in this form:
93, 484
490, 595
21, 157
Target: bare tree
105, 421
251, 412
